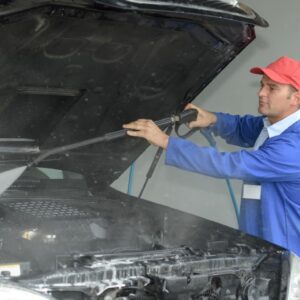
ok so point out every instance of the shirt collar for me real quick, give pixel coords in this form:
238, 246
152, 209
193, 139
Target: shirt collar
280, 126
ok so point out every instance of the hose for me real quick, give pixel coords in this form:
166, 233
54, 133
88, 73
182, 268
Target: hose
207, 133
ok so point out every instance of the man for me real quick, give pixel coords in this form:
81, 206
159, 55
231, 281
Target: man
271, 205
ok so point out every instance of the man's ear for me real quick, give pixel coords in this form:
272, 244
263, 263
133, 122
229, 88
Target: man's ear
297, 98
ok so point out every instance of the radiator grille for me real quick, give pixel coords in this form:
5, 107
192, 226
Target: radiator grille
47, 208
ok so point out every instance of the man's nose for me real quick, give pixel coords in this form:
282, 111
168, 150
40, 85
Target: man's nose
262, 92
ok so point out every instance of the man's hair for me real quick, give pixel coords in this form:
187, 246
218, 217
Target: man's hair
292, 89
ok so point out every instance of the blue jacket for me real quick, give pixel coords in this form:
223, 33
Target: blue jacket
275, 165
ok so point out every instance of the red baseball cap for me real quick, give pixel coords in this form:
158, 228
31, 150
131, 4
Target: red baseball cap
283, 70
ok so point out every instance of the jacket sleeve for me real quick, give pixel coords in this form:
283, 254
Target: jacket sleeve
236, 130
277, 160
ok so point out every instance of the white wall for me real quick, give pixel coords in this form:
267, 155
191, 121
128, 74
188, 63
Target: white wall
234, 91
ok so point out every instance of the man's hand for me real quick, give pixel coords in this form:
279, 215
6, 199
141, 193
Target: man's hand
148, 130
204, 117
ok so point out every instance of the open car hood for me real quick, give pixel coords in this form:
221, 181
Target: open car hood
73, 70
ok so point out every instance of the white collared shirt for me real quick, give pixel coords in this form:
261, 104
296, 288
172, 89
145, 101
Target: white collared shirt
270, 130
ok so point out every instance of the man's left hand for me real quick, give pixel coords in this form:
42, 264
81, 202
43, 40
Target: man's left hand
148, 130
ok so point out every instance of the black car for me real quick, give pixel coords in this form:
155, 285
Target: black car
76, 70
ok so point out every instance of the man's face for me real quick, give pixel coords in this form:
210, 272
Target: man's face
276, 101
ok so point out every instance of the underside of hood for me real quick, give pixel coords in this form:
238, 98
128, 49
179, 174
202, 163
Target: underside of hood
73, 70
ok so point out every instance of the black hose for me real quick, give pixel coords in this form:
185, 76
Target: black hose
185, 116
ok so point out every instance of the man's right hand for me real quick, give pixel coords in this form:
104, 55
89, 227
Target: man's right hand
204, 117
